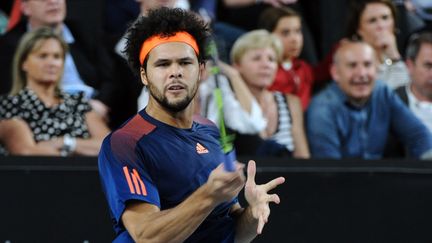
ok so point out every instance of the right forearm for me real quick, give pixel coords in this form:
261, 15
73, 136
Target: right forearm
176, 224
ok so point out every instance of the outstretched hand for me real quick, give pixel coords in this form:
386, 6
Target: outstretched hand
257, 196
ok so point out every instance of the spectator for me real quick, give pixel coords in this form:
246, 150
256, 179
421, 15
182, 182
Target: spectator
88, 66
353, 116
241, 111
294, 75
37, 118
418, 93
374, 21
256, 56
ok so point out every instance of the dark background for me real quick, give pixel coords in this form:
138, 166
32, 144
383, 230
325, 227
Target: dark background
45, 199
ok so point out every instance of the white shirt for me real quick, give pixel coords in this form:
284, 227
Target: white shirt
422, 109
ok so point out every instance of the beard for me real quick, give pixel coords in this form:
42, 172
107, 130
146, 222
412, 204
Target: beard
176, 106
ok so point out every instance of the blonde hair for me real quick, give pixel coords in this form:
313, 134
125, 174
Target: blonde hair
256, 39
30, 42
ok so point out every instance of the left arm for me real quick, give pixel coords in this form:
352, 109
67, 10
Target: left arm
301, 149
251, 220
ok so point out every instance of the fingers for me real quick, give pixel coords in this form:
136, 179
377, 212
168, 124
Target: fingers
260, 224
273, 183
273, 198
251, 172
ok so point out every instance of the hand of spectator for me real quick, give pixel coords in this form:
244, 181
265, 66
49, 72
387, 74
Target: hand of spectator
100, 108
386, 42
228, 70
257, 196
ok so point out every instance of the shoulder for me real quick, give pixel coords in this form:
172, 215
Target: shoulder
324, 105
327, 97
206, 125
10, 105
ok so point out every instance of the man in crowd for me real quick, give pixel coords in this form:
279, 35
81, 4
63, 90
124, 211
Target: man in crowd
354, 115
418, 93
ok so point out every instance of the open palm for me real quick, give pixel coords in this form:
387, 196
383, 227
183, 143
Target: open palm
257, 196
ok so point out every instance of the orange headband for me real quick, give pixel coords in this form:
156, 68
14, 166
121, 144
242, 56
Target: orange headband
156, 40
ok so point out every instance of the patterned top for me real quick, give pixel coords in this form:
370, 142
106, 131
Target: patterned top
47, 122
283, 134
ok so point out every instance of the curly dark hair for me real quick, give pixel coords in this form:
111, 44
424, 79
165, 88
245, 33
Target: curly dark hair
164, 22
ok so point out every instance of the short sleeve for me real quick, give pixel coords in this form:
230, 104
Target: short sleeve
123, 178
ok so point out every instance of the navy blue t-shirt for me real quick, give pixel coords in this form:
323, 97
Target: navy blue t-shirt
153, 162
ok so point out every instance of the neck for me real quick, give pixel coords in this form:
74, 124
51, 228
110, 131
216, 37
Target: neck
182, 119
357, 102
45, 92
260, 94
57, 27
421, 95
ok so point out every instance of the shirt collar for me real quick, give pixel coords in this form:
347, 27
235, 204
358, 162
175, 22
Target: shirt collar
424, 105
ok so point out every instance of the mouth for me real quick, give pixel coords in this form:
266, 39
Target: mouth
175, 88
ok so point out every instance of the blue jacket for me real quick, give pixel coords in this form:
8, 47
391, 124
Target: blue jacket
336, 129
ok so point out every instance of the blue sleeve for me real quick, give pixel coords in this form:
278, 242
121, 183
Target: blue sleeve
322, 132
124, 179
411, 131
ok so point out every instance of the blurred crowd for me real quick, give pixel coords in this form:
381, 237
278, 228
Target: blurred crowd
287, 78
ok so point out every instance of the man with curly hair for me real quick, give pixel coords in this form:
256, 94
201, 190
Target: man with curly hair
162, 171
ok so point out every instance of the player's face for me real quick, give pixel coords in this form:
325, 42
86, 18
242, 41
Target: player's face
173, 72
355, 71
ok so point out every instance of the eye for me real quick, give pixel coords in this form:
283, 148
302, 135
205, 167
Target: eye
185, 62
367, 64
162, 64
372, 20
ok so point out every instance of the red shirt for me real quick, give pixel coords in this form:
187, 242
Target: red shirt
297, 80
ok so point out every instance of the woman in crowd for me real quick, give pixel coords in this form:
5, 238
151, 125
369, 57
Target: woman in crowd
37, 118
374, 21
256, 56
294, 75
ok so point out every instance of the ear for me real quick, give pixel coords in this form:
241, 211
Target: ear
334, 72
24, 66
410, 65
25, 8
143, 76
202, 70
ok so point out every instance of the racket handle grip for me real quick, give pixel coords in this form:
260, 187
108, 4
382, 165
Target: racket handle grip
229, 161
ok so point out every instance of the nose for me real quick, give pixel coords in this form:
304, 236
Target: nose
176, 71
361, 71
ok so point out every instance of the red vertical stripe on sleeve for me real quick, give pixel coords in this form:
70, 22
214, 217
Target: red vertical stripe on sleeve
135, 182
128, 179
143, 188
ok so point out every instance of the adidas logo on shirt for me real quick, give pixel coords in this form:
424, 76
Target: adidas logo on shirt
201, 149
